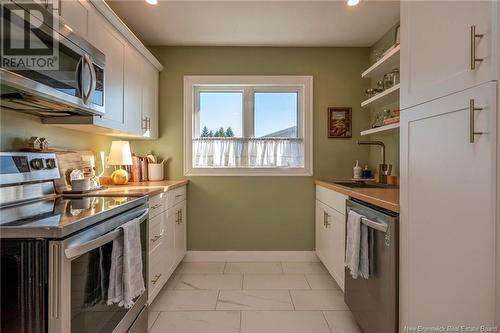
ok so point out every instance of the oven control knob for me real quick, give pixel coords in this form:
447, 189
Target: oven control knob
50, 163
36, 164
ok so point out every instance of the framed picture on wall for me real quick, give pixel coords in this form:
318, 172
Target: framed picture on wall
339, 122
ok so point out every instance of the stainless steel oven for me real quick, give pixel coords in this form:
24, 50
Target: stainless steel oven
74, 86
78, 278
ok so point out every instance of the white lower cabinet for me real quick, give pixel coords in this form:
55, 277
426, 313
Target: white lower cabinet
167, 237
448, 200
179, 215
156, 276
330, 231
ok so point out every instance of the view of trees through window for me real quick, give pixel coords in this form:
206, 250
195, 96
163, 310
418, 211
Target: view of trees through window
220, 133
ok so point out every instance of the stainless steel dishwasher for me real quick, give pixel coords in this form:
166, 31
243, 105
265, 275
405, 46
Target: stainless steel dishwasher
374, 301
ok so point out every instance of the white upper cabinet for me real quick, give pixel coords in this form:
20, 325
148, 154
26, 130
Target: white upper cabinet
103, 36
74, 13
150, 95
437, 47
131, 75
448, 198
133, 85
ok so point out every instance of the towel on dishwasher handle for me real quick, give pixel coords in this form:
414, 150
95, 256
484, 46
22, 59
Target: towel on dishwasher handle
126, 281
357, 256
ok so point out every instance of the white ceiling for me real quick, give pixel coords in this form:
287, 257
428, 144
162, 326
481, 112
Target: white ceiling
258, 23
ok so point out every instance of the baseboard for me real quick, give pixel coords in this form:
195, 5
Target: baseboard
251, 256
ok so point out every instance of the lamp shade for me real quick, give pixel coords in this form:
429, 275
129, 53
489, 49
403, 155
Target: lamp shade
119, 154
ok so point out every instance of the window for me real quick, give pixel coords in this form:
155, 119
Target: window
248, 125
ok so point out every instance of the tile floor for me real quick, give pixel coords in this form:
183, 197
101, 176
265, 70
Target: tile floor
251, 298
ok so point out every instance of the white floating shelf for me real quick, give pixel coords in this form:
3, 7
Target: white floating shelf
382, 130
388, 96
384, 65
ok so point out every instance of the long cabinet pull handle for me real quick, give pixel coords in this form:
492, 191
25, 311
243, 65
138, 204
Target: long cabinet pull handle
473, 37
472, 113
325, 219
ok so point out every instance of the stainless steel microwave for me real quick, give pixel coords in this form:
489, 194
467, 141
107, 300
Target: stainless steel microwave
74, 87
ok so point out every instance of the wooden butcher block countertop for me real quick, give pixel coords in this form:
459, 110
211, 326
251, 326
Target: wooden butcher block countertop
140, 189
387, 198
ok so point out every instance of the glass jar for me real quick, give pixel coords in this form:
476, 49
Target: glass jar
395, 76
388, 80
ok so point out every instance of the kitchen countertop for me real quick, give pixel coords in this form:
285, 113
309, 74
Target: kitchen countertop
387, 198
140, 189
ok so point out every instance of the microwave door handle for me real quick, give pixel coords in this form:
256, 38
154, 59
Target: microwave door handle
87, 62
79, 76
73, 252
93, 78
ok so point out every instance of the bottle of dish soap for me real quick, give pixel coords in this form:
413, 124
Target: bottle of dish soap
357, 171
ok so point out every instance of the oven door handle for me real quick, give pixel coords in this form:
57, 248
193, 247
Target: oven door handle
78, 250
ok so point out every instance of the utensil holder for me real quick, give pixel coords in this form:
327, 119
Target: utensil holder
155, 171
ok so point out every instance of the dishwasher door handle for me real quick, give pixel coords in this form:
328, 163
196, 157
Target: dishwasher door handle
375, 225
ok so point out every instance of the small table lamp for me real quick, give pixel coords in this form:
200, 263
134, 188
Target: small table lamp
119, 154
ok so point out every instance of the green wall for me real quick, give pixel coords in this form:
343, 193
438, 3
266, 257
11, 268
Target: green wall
261, 213
16, 128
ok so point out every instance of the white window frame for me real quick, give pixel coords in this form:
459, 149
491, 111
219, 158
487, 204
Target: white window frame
249, 84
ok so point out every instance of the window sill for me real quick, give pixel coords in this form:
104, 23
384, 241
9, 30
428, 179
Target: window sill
300, 172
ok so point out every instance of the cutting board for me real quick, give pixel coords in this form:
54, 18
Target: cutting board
69, 160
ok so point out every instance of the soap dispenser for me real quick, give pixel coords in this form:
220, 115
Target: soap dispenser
357, 171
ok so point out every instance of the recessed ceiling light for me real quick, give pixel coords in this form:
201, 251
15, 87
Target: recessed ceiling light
154, 2
349, 2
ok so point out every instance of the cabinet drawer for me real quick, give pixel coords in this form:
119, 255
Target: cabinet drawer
156, 231
331, 198
176, 195
156, 205
156, 269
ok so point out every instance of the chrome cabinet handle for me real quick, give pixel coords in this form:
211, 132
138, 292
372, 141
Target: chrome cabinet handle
326, 217
156, 278
472, 113
156, 237
473, 37
146, 123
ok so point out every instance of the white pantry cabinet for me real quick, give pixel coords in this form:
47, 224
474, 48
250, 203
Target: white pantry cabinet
448, 207
330, 231
437, 48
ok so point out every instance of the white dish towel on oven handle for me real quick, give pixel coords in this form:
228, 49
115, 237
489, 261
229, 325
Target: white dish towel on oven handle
126, 281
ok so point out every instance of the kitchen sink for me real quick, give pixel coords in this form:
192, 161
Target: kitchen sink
361, 184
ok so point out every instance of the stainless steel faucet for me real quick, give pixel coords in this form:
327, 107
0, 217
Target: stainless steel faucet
384, 170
